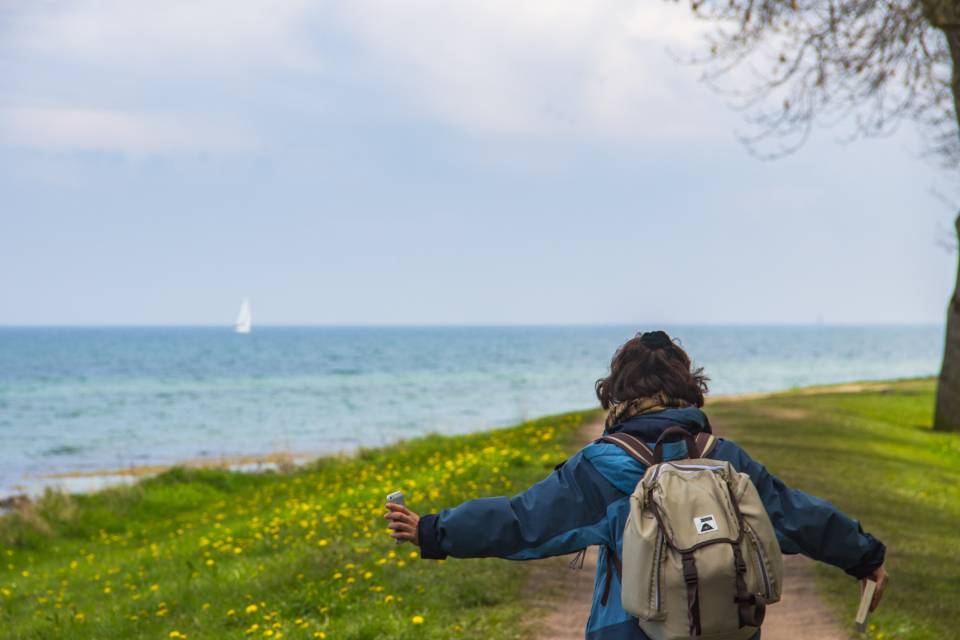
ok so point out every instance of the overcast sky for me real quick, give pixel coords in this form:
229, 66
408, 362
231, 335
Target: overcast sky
428, 162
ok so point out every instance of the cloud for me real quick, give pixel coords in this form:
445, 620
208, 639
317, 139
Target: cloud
538, 67
58, 129
171, 38
120, 74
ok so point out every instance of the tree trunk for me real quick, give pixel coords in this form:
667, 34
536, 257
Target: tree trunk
947, 416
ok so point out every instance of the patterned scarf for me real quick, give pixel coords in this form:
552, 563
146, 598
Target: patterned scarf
623, 411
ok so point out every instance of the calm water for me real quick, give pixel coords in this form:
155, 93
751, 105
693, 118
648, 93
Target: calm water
87, 399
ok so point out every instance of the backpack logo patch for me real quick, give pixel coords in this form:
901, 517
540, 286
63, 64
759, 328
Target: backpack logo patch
705, 524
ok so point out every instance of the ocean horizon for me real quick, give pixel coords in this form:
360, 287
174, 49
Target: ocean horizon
80, 399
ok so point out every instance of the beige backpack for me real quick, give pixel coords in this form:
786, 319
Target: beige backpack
700, 557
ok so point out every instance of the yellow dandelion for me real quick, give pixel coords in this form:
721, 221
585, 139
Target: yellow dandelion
417, 619
252, 608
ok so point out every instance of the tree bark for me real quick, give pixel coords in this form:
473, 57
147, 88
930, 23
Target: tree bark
947, 415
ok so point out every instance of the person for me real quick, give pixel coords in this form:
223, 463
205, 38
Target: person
652, 385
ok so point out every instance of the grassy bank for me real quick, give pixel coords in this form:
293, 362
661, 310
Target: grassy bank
213, 554
873, 454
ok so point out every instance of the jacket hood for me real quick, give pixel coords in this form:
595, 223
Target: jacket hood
649, 426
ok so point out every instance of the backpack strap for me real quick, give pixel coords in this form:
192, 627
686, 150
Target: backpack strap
693, 447
705, 444
633, 445
612, 559
692, 582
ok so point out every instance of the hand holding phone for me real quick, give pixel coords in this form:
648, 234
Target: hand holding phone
403, 522
396, 498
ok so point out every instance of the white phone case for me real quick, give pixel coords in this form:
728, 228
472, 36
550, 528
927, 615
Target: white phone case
396, 498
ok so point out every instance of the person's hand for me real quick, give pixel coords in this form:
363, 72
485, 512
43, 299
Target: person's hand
881, 578
403, 522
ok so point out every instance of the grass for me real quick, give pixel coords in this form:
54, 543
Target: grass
213, 554
873, 454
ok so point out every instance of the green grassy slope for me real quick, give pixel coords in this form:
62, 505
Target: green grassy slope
213, 554
209, 554
874, 455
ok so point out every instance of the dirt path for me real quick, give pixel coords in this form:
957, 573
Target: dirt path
565, 597
802, 613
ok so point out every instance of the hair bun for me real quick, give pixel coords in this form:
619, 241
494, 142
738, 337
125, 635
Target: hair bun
656, 340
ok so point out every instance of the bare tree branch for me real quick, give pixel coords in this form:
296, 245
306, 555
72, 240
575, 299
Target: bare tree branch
870, 63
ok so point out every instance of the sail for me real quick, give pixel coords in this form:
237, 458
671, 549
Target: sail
244, 318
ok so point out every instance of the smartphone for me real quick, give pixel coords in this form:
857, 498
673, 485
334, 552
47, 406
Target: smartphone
396, 498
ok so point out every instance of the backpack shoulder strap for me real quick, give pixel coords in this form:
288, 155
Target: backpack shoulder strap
705, 444
633, 445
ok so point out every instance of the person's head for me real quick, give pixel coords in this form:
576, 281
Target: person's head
649, 364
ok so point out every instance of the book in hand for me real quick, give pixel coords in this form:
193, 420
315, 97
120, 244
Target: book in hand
864, 610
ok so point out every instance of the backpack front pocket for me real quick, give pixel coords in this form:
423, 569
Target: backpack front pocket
644, 552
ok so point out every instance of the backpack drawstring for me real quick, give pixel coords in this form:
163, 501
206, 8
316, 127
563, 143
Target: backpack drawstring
577, 562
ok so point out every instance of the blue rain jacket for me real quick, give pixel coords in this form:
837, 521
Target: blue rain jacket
585, 502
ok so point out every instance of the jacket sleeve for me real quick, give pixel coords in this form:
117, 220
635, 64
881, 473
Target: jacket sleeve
561, 514
810, 525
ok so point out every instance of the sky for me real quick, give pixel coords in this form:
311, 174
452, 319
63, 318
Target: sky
430, 163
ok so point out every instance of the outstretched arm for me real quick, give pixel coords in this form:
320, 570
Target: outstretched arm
563, 513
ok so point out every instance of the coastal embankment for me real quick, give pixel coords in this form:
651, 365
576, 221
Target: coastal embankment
206, 553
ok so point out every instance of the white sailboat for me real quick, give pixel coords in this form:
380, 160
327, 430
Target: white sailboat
244, 318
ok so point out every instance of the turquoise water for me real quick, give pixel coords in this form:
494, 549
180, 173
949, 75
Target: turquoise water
75, 399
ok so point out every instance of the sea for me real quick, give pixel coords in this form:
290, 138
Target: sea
90, 400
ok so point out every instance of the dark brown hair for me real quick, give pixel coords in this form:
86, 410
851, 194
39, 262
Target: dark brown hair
650, 363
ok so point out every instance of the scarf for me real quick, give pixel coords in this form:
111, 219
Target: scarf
623, 411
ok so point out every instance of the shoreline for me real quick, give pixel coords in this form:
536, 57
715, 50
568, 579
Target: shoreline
88, 481
91, 480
